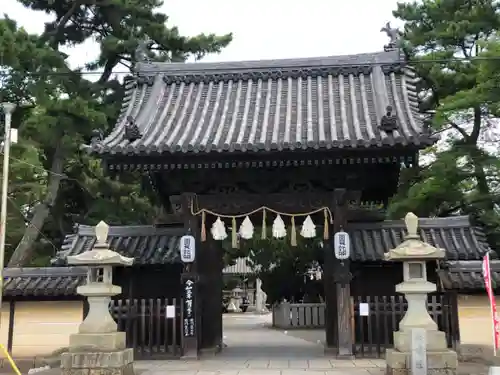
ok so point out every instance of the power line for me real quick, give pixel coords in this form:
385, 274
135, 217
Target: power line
21, 211
63, 176
244, 68
30, 223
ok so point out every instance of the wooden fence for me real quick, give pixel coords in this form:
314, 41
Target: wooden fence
299, 315
373, 333
150, 332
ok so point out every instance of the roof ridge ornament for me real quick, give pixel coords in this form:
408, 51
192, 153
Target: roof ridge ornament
142, 51
388, 122
394, 37
132, 132
97, 137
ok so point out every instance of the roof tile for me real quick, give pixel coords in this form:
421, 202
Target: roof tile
146, 244
153, 245
43, 282
468, 275
156, 245
240, 267
331, 102
456, 235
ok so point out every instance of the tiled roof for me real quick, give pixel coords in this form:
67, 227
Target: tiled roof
240, 267
147, 244
468, 275
456, 235
317, 103
43, 282
156, 245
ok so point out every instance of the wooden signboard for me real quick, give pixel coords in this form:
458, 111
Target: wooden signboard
189, 307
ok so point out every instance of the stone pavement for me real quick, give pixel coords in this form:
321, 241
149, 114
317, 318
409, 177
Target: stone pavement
254, 349
262, 366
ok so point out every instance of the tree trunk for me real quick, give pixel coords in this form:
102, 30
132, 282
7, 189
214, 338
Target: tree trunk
25, 248
482, 185
476, 156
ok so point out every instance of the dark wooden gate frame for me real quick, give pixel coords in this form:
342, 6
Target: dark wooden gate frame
208, 265
207, 269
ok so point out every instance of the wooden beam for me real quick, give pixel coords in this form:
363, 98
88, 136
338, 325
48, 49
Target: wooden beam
246, 160
235, 204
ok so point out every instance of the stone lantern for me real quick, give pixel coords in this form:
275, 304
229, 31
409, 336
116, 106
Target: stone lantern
235, 301
414, 253
98, 345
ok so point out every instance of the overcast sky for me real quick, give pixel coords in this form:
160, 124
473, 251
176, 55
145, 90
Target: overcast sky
262, 29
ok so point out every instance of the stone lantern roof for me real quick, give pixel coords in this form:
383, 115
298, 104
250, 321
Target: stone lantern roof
413, 247
100, 254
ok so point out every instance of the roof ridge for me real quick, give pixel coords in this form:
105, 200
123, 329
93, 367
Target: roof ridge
45, 271
381, 57
451, 221
132, 230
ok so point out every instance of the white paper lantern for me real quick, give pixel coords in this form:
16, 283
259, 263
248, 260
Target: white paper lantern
342, 245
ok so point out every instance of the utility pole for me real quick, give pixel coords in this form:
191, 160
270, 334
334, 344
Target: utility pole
8, 108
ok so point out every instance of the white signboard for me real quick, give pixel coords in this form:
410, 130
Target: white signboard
170, 311
342, 245
187, 248
364, 309
418, 352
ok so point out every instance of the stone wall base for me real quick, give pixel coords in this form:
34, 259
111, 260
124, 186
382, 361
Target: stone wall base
98, 363
438, 363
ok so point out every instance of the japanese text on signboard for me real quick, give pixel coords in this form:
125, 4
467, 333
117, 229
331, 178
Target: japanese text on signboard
189, 306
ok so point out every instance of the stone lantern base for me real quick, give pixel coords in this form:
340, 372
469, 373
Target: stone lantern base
106, 342
438, 363
98, 354
98, 363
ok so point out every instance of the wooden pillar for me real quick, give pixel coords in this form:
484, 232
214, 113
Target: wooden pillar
331, 328
210, 270
190, 307
10, 332
342, 279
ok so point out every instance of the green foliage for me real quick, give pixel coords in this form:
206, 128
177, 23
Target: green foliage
450, 44
53, 184
281, 266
